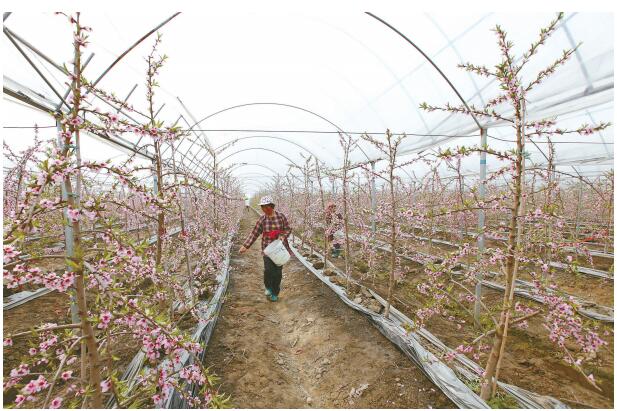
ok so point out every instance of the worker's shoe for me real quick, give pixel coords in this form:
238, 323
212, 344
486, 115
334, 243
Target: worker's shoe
268, 292
274, 298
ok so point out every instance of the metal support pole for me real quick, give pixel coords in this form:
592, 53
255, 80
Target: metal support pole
206, 140
182, 209
69, 237
78, 182
36, 51
608, 241
463, 223
373, 200
126, 99
578, 211
21, 51
159, 110
131, 48
481, 217
155, 188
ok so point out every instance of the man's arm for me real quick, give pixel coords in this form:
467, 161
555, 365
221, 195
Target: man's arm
253, 235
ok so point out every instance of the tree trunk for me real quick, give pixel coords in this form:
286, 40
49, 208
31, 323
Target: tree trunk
77, 257
392, 240
499, 342
323, 207
346, 223
161, 215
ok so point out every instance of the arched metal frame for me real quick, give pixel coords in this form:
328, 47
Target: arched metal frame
223, 146
207, 172
339, 129
190, 157
274, 172
430, 61
238, 165
259, 148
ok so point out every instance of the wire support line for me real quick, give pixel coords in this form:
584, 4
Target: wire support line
553, 142
350, 132
331, 132
30, 127
295, 131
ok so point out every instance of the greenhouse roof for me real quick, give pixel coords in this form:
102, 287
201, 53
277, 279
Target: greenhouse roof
283, 84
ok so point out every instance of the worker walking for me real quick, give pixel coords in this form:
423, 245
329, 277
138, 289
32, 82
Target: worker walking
334, 226
271, 225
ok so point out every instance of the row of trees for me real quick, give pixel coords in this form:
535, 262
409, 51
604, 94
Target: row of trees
527, 209
125, 284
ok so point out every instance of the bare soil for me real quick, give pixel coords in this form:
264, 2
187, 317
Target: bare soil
308, 350
49, 308
530, 361
592, 289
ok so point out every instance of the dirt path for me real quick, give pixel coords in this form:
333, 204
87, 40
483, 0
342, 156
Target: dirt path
308, 349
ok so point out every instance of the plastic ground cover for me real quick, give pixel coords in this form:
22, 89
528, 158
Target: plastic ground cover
395, 329
208, 311
435, 370
522, 288
583, 270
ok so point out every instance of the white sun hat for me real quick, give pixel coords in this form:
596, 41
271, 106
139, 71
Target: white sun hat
266, 200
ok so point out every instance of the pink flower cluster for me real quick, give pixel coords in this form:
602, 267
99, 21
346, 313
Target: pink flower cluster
192, 373
104, 319
73, 214
9, 253
564, 325
35, 386
34, 275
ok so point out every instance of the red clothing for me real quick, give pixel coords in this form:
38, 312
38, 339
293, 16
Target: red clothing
272, 228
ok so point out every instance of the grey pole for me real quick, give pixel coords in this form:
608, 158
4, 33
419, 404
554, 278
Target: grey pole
69, 237
131, 48
195, 120
182, 210
36, 51
481, 216
578, 210
159, 110
78, 177
155, 189
464, 223
126, 99
373, 200
35, 68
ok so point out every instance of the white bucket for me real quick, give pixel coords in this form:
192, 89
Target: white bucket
277, 252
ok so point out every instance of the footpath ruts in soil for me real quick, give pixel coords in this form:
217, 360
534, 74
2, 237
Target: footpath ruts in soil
308, 349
